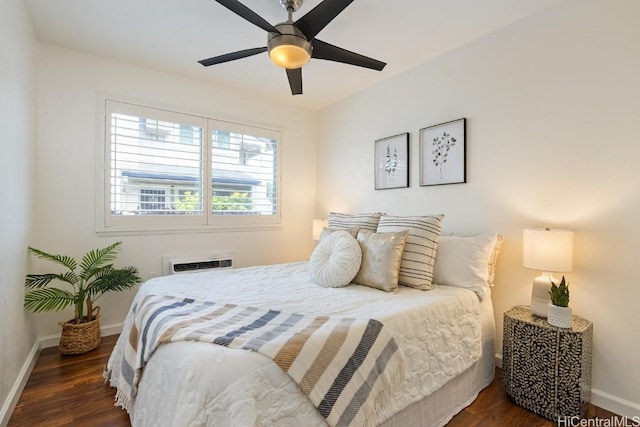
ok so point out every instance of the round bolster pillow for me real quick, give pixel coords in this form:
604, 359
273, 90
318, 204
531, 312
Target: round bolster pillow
335, 261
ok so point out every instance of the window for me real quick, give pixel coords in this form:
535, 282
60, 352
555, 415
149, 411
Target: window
170, 170
152, 201
220, 139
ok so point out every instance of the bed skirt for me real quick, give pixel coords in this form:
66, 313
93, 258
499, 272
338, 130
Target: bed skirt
437, 409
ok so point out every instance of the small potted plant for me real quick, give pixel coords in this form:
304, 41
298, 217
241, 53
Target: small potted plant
96, 276
559, 310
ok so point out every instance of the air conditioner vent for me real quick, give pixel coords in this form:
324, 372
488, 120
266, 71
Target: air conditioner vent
174, 265
184, 267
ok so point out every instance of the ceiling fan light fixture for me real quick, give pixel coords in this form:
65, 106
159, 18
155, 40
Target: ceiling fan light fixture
291, 44
289, 49
289, 56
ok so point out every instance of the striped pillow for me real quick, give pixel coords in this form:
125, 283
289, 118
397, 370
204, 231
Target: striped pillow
326, 232
419, 257
366, 221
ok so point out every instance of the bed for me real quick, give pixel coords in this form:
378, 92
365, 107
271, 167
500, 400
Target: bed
444, 337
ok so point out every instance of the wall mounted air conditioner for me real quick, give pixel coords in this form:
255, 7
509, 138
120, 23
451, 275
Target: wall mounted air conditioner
192, 264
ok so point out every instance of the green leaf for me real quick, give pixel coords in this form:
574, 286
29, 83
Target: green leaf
97, 259
97, 277
49, 299
65, 260
560, 293
114, 280
37, 281
89, 276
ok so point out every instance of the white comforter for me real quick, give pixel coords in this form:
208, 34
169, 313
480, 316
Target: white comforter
197, 384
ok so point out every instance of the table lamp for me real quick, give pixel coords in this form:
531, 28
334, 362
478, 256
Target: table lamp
318, 226
547, 250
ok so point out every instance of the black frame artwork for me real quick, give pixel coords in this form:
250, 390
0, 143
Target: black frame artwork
391, 162
443, 153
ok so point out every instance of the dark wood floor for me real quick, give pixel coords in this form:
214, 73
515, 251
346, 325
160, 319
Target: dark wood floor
69, 390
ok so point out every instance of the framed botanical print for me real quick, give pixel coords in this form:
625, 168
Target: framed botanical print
443, 153
392, 162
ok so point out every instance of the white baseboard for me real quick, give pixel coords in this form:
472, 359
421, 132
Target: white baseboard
43, 342
105, 331
15, 392
615, 404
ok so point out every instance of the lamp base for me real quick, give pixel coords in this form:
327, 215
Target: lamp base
540, 298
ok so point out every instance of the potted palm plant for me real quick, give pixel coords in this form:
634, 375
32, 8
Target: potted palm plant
559, 311
84, 282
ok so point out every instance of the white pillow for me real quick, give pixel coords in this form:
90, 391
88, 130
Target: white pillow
493, 261
335, 261
419, 256
464, 261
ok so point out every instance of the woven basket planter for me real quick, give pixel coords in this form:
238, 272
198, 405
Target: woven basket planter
78, 338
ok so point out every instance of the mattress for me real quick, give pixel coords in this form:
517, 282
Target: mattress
441, 332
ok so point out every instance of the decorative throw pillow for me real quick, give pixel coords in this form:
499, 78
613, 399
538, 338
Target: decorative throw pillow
366, 221
335, 261
381, 255
464, 261
327, 231
419, 257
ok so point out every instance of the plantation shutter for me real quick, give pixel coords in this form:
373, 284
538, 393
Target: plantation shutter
244, 164
155, 162
165, 170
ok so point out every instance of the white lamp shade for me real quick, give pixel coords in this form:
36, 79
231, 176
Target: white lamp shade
547, 249
318, 226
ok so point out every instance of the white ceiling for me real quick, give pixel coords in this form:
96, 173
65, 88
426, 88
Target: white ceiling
171, 35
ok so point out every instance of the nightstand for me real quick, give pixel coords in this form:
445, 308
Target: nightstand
546, 369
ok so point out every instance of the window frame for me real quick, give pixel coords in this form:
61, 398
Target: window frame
208, 221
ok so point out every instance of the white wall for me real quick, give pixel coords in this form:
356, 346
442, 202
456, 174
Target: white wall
552, 106
67, 97
551, 102
17, 153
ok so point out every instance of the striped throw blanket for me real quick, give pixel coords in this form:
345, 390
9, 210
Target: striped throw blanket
346, 367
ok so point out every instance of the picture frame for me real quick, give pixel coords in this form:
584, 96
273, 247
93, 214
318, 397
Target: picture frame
443, 153
391, 162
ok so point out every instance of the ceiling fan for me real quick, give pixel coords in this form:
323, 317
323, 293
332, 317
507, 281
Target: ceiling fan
292, 44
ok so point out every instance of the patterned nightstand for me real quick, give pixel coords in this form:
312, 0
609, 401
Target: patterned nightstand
546, 369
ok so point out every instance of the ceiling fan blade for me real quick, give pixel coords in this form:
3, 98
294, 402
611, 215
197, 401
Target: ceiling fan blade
243, 11
318, 17
324, 50
295, 80
232, 56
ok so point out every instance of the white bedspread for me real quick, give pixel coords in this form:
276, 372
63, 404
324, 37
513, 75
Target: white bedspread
197, 384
